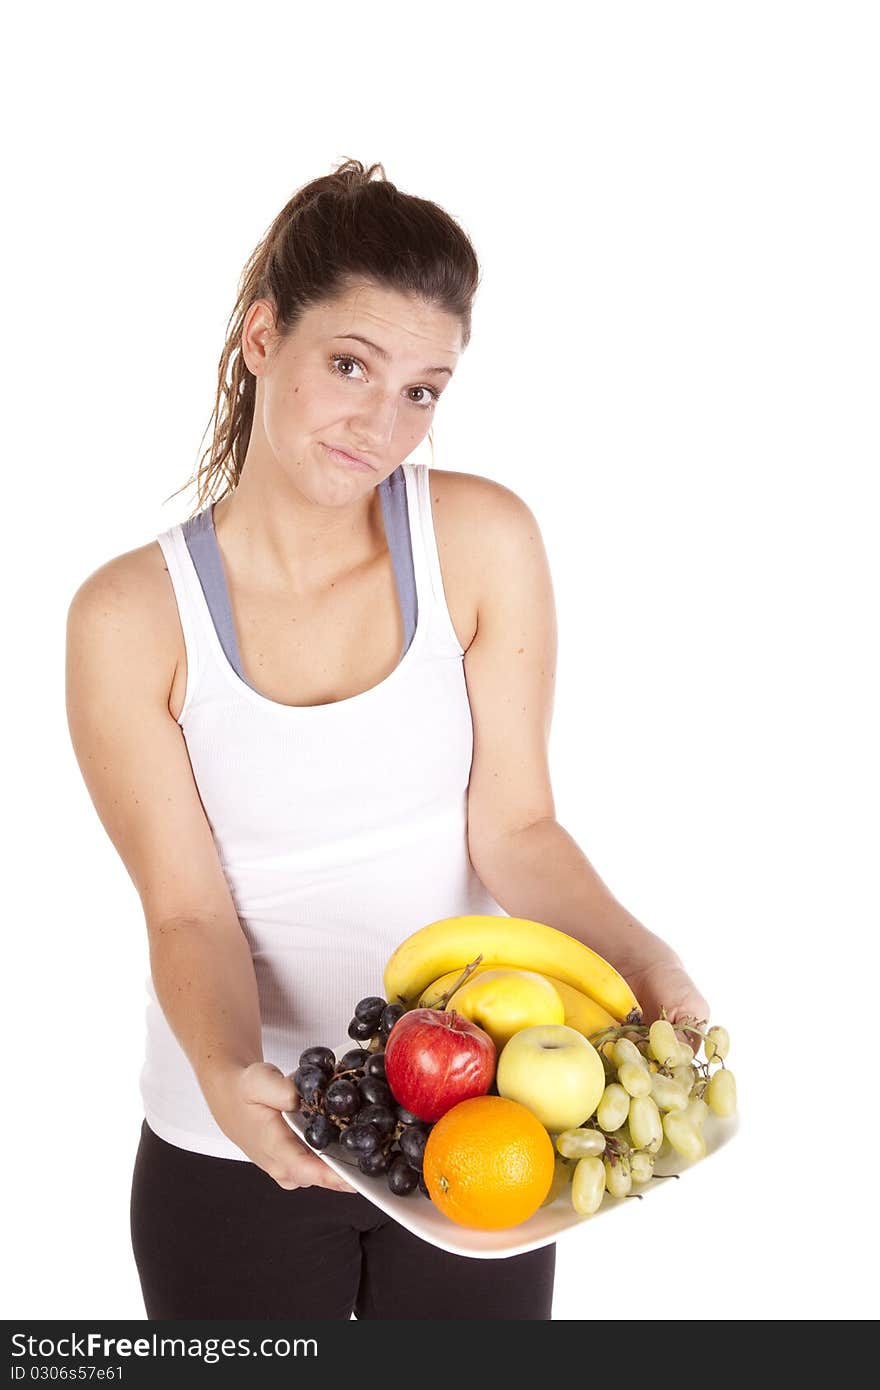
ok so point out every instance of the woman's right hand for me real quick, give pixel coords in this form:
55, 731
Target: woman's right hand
247, 1103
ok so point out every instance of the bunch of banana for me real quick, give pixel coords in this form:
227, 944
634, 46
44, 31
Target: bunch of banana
418, 965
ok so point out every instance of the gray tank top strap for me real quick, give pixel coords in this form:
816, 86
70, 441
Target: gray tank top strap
201, 541
392, 495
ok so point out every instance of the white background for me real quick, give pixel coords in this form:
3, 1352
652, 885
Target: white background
674, 362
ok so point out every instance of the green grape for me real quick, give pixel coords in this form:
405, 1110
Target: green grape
645, 1125
685, 1138
721, 1092
621, 1138
716, 1042
667, 1093
613, 1108
618, 1176
580, 1143
696, 1111
684, 1055
641, 1165
588, 1186
684, 1076
634, 1078
625, 1050
662, 1042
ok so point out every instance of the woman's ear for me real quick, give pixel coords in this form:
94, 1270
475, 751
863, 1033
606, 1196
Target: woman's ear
258, 336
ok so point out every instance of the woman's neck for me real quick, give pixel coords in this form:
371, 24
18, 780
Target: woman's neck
290, 542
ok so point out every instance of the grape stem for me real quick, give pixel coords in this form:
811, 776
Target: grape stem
621, 1030
465, 975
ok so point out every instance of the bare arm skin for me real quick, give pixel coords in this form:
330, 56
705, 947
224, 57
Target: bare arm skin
530, 863
134, 760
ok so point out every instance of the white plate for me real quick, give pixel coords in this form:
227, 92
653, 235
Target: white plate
551, 1223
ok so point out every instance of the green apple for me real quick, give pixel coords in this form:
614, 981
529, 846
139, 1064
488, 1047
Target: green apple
553, 1071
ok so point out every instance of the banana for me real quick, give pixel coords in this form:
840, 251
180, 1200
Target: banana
581, 1012
440, 946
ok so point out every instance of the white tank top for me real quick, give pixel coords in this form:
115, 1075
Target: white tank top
341, 828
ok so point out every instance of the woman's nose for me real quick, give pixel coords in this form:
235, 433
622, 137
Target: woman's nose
375, 421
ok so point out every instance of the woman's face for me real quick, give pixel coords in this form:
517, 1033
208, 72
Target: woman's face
322, 387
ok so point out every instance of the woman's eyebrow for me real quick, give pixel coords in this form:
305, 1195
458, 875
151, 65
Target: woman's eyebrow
386, 357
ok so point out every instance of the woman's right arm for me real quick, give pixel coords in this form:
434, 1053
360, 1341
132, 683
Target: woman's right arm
135, 763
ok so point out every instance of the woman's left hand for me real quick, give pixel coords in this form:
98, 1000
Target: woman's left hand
667, 984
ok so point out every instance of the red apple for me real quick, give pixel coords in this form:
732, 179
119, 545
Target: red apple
434, 1058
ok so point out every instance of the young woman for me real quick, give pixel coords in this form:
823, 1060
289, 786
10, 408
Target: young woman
313, 718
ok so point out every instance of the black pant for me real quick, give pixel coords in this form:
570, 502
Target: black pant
218, 1238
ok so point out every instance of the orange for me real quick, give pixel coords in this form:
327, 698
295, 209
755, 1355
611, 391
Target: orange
488, 1163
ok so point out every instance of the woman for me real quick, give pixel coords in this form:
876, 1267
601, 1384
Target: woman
312, 719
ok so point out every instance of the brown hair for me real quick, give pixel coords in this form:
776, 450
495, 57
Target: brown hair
335, 231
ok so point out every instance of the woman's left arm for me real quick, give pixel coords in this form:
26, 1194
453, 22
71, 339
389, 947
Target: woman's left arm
528, 861
541, 873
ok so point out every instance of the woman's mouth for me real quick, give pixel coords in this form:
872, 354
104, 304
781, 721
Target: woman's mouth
349, 460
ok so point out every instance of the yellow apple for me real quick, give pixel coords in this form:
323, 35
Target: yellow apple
503, 1002
555, 1072
581, 1012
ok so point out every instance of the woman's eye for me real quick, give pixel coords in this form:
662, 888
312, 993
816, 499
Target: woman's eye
428, 391
334, 360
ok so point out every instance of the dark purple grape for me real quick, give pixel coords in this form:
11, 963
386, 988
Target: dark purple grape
348, 1139
412, 1144
369, 1010
375, 1065
310, 1082
360, 1139
342, 1098
423, 1186
375, 1092
361, 1031
375, 1163
406, 1117
321, 1131
380, 1116
390, 1014
402, 1179
355, 1058
323, 1057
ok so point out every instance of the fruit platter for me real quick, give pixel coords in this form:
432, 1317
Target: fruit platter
504, 1089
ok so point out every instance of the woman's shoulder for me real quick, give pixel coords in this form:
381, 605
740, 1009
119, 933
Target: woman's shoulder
136, 577
467, 485
481, 528
134, 589
466, 506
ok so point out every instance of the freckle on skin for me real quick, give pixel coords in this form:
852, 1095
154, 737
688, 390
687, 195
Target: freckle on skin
521, 650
